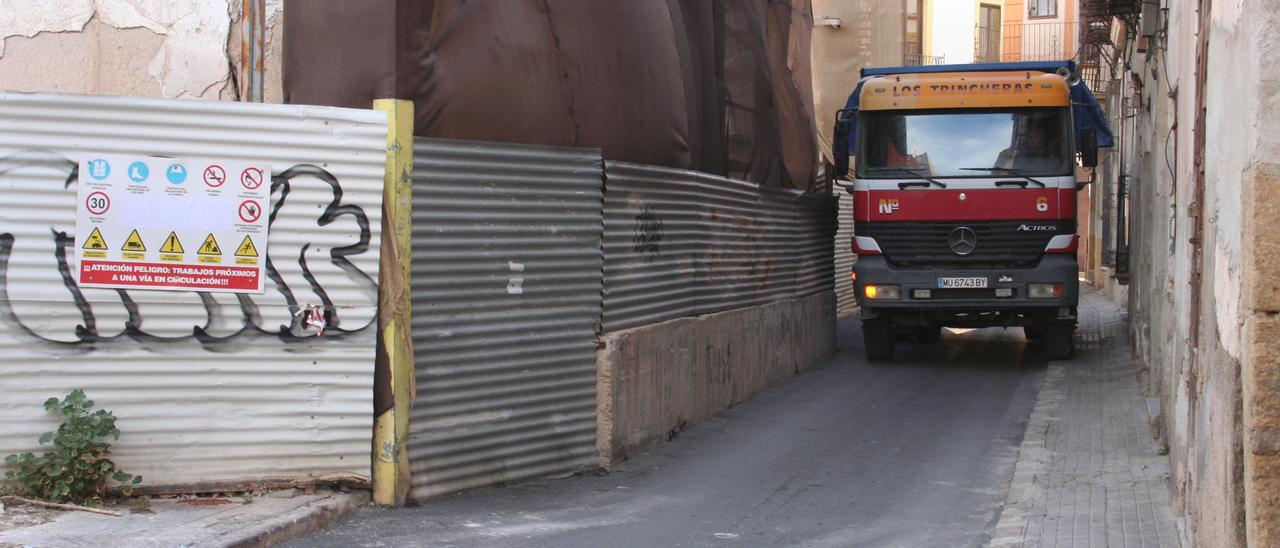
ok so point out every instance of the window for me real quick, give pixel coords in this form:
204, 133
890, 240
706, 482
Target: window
1042, 8
988, 33
965, 143
911, 29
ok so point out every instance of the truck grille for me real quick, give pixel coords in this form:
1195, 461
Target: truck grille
1000, 244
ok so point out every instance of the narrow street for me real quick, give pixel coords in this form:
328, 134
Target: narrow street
555, 273
918, 451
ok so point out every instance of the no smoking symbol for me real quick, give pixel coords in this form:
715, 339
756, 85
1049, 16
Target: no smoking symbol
251, 178
250, 211
97, 203
214, 176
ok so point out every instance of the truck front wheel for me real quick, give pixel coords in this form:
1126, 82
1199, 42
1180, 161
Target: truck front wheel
878, 338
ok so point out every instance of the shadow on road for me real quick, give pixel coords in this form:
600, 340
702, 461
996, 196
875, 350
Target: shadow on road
990, 348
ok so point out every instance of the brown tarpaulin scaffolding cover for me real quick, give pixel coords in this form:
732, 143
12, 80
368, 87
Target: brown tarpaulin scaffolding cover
870, 35
721, 86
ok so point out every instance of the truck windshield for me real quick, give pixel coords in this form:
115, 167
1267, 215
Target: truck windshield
953, 143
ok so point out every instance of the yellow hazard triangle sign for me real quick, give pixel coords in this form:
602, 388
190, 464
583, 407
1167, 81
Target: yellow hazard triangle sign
247, 248
210, 246
171, 244
94, 241
133, 242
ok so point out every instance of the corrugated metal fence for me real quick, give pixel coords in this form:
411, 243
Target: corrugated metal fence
681, 243
506, 295
846, 303
207, 387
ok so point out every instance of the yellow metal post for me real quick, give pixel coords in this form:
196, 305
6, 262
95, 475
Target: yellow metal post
391, 425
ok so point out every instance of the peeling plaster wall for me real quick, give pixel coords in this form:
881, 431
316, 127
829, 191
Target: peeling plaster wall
152, 48
1218, 383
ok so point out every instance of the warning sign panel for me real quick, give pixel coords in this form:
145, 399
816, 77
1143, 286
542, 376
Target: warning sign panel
134, 213
133, 247
209, 251
171, 250
172, 244
247, 253
94, 241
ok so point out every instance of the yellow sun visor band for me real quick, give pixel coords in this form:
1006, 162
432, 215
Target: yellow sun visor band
965, 90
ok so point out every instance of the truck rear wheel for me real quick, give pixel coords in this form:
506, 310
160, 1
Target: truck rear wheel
1061, 339
878, 338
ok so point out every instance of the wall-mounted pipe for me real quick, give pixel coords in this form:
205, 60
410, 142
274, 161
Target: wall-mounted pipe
252, 44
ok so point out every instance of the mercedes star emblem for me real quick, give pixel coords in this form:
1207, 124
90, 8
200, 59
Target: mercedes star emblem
963, 241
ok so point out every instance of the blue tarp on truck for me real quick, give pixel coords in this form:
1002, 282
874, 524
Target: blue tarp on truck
1084, 106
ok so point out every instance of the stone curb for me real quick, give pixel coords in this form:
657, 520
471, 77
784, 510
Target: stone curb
1011, 527
296, 523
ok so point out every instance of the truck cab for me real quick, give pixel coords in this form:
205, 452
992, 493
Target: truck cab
964, 185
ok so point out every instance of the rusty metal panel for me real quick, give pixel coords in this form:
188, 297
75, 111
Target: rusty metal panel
208, 388
846, 303
506, 296
681, 243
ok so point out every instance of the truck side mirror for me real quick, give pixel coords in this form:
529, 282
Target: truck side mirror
1089, 147
840, 142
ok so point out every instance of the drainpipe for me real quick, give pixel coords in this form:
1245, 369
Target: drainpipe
252, 40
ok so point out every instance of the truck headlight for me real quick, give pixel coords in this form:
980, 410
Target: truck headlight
1044, 291
880, 292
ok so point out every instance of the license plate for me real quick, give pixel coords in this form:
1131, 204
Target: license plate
962, 282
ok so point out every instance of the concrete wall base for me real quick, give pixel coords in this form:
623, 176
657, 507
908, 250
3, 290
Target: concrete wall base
656, 380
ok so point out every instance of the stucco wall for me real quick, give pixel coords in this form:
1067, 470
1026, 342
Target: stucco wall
656, 380
149, 48
1203, 307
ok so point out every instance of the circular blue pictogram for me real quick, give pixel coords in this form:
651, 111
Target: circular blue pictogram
138, 172
99, 169
177, 174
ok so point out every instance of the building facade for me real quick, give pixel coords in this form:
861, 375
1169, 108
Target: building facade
1187, 202
191, 49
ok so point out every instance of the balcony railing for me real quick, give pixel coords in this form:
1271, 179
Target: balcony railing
1031, 41
920, 59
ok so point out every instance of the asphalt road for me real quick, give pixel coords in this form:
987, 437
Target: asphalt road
916, 452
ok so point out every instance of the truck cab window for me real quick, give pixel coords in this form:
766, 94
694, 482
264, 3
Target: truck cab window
951, 144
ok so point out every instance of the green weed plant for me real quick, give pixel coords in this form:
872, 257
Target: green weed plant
77, 468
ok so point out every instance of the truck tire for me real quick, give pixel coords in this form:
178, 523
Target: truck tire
1061, 340
878, 338
929, 334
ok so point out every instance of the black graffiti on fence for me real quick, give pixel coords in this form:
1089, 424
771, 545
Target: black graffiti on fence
647, 234
90, 332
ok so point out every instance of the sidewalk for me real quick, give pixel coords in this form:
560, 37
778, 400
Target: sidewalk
262, 521
1089, 472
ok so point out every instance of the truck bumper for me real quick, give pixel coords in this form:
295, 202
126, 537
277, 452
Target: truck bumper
970, 307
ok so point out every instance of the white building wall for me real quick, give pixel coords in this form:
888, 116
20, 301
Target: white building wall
954, 25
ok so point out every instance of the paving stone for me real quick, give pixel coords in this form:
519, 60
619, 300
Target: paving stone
1089, 472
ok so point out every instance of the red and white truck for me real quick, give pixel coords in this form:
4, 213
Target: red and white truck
964, 185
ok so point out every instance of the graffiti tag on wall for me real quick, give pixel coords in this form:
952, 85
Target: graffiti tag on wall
303, 266
647, 238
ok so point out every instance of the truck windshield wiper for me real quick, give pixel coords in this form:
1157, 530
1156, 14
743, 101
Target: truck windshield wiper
1013, 172
913, 173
